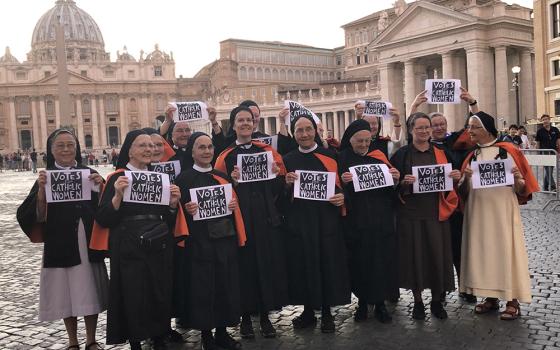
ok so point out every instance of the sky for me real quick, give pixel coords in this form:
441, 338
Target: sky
193, 29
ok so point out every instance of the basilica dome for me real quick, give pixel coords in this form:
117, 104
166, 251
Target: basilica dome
80, 30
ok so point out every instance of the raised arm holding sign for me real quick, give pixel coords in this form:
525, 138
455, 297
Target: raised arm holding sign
189, 111
68, 185
147, 187
440, 91
171, 168
377, 108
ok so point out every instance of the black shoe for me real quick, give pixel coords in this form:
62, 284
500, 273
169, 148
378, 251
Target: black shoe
327, 323
468, 298
305, 320
436, 307
246, 329
175, 337
361, 313
226, 341
381, 313
267, 329
180, 322
418, 312
209, 344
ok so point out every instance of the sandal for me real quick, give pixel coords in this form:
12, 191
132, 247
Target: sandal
93, 346
512, 311
489, 304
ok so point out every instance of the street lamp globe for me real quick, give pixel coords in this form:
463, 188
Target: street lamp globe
515, 69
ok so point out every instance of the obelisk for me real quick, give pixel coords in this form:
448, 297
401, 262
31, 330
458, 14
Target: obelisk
62, 76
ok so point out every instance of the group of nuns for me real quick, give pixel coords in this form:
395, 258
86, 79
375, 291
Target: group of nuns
273, 250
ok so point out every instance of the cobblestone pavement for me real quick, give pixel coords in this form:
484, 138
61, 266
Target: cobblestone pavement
539, 328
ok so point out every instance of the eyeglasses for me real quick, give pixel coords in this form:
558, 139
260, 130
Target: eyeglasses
63, 146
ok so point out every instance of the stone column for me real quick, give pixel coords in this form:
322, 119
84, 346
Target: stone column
102, 117
14, 140
481, 77
409, 84
35, 122
123, 118
391, 87
57, 113
43, 119
347, 120
526, 87
94, 125
502, 85
336, 128
452, 112
278, 124
144, 114
266, 125
80, 119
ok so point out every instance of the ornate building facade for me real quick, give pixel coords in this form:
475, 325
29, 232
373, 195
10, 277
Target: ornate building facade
387, 56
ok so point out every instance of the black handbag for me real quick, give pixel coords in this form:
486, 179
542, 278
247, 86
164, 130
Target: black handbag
156, 237
220, 228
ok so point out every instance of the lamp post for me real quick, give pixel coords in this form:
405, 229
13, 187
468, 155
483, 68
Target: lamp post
515, 84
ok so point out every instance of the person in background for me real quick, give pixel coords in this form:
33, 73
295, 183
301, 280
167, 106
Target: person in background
33, 157
74, 280
522, 133
512, 136
548, 137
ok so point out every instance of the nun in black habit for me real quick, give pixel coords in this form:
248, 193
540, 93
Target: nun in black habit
141, 277
261, 261
74, 280
369, 225
317, 269
208, 286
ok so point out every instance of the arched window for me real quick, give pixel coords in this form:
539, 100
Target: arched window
50, 107
282, 74
274, 74
267, 74
298, 75
132, 105
304, 76
290, 75
111, 104
260, 74
251, 75
25, 140
24, 107
86, 106
242, 73
312, 76
89, 141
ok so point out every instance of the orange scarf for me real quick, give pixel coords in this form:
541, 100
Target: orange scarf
449, 201
331, 166
531, 183
221, 161
239, 224
100, 234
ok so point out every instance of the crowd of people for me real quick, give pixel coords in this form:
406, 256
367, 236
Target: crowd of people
275, 249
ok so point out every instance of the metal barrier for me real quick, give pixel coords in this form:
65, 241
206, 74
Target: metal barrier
545, 163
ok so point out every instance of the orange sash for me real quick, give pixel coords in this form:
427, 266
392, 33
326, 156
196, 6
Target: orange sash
377, 154
100, 234
531, 183
221, 161
331, 166
238, 218
447, 202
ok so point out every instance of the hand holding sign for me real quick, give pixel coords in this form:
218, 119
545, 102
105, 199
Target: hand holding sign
297, 110
255, 167
493, 173
432, 178
314, 185
171, 168
68, 185
377, 108
439, 91
211, 201
147, 187
188, 111
370, 176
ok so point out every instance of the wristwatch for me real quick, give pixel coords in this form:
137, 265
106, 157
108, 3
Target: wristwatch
473, 103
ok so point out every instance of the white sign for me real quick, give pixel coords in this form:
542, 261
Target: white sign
298, 110
432, 178
314, 185
171, 168
212, 201
255, 167
440, 91
272, 141
370, 176
147, 187
376, 108
492, 173
188, 111
68, 185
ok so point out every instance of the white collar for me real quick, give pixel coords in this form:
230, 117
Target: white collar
487, 144
133, 168
308, 150
244, 145
65, 167
201, 169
